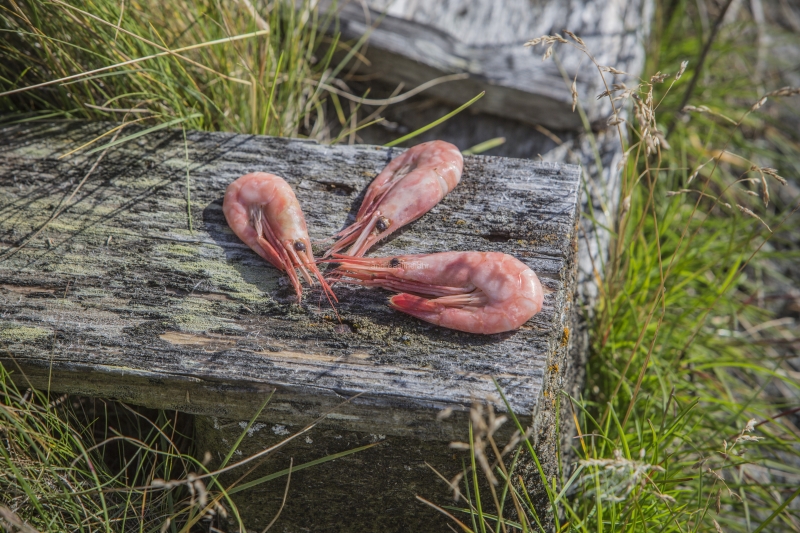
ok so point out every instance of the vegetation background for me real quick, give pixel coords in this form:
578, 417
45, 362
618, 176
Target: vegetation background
689, 418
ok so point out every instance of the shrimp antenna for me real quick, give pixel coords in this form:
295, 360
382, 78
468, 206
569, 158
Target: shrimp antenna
328, 291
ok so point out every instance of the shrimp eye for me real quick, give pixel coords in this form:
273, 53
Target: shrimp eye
394, 262
300, 246
382, 224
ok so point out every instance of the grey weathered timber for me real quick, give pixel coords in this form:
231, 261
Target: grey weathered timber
414, 41
119, 298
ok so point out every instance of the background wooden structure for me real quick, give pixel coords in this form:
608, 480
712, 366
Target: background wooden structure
413, 41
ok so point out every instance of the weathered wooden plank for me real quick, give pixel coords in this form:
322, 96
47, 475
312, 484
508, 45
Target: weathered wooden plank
413, 42
121, 299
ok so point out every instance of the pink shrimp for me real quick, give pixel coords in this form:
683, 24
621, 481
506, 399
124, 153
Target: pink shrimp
263, 211
476, 292
405, 190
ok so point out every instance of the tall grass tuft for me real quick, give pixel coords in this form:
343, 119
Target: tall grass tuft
689, 416
231, 66
78, 464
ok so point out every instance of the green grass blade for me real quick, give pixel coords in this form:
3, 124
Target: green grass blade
532, 453
777, 511
142, 133
309, 464
435, 123
268, 113
244, 431
485, 146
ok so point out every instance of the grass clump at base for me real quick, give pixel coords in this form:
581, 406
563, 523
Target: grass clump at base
87, 465
55, 477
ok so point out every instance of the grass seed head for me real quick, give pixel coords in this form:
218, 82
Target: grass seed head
613, 70
664, 497
626, 204
774, 173
757, 105
455, 484
574, 90
684, 64
575, 37
784, 91
444, 413
613, 120
751, 214
658, 77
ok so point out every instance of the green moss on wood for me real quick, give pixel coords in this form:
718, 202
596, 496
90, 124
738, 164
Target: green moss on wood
22, 333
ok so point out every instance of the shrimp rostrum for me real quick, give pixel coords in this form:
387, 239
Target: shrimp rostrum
263, 211
409, 186
476, 292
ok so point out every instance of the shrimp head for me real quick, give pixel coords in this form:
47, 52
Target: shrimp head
476, 292
263, 211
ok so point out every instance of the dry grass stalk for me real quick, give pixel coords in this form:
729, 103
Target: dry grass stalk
10, 520
701, 193
749, 213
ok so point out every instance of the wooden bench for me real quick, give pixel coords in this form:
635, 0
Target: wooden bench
119, 298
